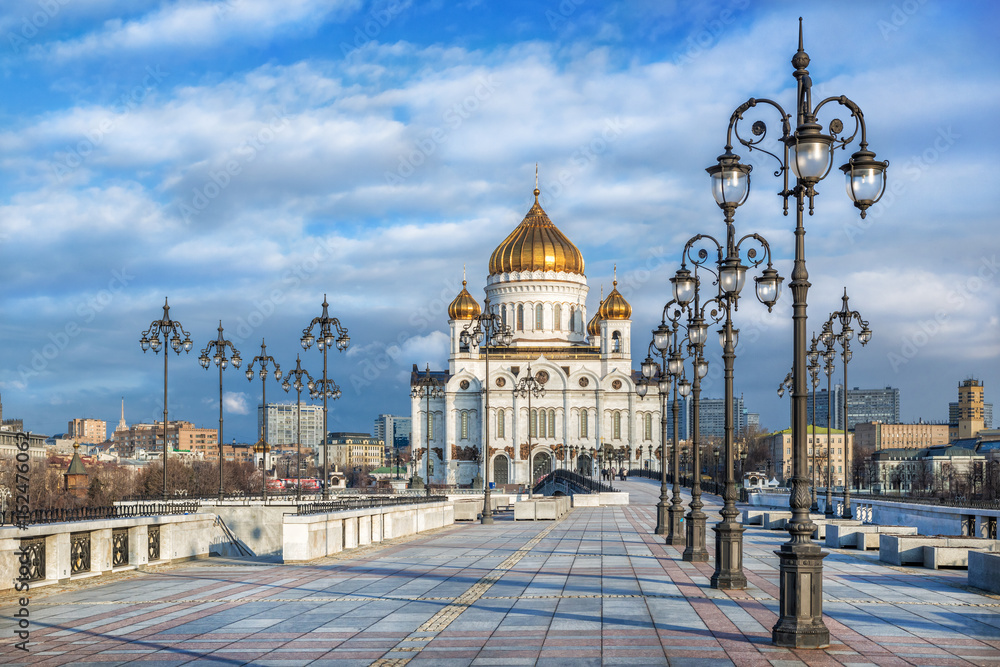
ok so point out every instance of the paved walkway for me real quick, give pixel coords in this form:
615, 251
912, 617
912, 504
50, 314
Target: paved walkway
595, 588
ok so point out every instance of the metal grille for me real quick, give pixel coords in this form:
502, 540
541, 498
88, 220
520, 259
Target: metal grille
154, 543
119, 547
33, 559
79, 550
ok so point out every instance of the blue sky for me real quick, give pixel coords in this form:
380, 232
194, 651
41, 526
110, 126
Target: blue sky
244, 157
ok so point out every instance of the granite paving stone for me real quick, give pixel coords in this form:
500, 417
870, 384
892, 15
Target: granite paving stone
595, 587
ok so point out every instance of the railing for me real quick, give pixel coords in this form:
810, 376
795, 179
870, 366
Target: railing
940, 502
588, 484
60, 515
363, 503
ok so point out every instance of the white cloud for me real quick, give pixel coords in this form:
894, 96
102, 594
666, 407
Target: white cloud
236, 402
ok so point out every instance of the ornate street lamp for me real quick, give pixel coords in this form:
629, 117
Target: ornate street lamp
326, 387
845, 316
807, 157
294, 379
813, 357
426, 387
262, 360
829, 358
730, 273
487, 330
171, 331
527, 387
215, 352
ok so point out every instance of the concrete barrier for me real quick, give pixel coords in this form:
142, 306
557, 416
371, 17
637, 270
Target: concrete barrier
841, 536
774, 520
753, 517
181, 537
546, 509
909, 549
524, 510
984, 570
468, 510
313, 536
823, 522
936, 557
586, 500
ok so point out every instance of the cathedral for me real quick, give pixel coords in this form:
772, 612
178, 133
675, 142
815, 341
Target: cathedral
536, 286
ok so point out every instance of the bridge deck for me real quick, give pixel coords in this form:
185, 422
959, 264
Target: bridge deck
597, 587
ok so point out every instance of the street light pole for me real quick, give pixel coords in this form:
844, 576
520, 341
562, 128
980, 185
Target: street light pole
171, 331
298, 373
828, 357
845, 316
808, 157
326, 387
219, 345
426, 387
529, 386
487, 330
813, 357
262, 360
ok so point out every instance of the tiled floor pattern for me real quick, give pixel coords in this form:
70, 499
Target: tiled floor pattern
595, 588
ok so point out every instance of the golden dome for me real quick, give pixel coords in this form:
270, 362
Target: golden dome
536, 245
615, 307
464, 307
594, 326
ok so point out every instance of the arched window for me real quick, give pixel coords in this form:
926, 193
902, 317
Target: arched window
616, 425
572, 318
500, 418
503, 316
465, 425
649, 426
552, 423
539, 317
616, 342
533, 425
557, 317
583, 423
520, 317
430, 426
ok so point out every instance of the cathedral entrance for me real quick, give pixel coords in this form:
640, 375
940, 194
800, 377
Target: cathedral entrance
501, 470
541, 465
584, 465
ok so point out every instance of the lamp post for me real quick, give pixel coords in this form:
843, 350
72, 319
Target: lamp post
829, 358
730, 273
171, 331
326, 387
426, 387
294, 379
262, 360
666, 340
529, 386
813, 357
845, 316
807, 157
218, 348
484, 331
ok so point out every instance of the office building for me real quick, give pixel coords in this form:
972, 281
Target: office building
971, 413
356, 450
712, 417
779, 444
393, 430
88, 431
863, 405
878, 436
282, 424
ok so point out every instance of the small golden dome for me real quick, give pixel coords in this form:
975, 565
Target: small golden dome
615, 307
464, 307
594, 326
536, 245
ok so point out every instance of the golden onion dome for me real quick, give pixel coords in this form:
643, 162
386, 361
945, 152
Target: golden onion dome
594, 325
536, 245
464, 307
615, 307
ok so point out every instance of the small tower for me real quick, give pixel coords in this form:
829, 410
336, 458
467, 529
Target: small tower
76, 479
460, 312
